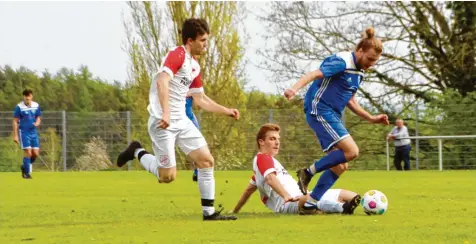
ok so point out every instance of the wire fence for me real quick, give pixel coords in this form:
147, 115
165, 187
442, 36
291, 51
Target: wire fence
85, 141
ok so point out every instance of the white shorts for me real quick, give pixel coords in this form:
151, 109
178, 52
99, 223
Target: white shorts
181, 132
289, 208
331, 195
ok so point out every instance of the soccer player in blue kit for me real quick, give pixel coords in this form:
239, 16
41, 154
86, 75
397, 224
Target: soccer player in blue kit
27, 116
191, 116
333, 88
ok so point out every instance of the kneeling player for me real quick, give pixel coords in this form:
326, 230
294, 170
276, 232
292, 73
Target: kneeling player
279, 191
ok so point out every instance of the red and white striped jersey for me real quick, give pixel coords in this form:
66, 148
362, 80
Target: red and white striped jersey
263, 165
185, 73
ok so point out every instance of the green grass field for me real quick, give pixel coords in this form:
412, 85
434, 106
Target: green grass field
131, 207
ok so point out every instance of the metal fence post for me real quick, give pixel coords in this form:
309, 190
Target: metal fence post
128, 131
417, 142
270, 117
440, 154
63, 113
388, 155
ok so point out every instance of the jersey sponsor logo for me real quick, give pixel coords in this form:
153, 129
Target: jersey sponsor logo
184, 81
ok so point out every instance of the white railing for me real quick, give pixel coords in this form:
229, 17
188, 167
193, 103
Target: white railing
440, 146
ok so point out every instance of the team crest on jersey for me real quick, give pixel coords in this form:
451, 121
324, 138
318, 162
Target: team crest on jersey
164, 159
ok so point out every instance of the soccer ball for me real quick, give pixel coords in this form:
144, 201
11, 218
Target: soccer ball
374, 202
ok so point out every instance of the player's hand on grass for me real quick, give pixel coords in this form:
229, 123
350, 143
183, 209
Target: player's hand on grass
234, 113
165, 121
380, 119
290, 93
16, 140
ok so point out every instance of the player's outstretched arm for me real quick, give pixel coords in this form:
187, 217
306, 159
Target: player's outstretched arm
205, 102
162, 80
250, 189
354, 106
302, 82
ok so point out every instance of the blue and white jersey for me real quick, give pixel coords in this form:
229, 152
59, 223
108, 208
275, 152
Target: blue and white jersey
342, 78
27, 115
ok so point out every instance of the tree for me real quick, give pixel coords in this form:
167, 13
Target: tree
428, 46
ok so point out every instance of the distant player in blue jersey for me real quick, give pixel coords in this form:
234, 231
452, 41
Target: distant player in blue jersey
191, 116
333, 88
27, 116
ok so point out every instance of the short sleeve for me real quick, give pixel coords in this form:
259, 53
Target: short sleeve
174, 61
253, 180
196, 86
17, 112
332, 65
265, 164
38, 111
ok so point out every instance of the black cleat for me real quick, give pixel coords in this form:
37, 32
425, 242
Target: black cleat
195, 175
128, 154
217, 216
303, 180
350, 206
309, 211
23, 174
27, 177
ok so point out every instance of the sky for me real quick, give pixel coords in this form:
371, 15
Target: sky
51, 35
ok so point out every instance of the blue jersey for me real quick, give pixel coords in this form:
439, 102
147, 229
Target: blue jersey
27, 115
342, 78
189, 111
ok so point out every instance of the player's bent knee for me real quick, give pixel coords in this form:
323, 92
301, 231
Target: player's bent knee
166, 179
28, 153
352, 153
206, 162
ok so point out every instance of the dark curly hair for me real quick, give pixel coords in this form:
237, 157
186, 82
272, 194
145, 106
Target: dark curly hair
192, 28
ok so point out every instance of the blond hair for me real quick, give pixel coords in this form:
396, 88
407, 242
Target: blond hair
369, 41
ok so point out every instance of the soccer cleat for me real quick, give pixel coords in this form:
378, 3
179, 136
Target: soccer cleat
28, 177
350, 206
309, 210
128, 154
216, 216
23, 174
303, 180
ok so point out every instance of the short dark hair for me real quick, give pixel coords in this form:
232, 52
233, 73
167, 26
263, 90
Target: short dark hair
192, 28
27, 92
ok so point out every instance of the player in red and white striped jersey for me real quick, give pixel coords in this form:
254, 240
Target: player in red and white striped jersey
279, 191
168, 123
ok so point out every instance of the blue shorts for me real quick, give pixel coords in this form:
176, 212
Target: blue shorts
29, 139
328, 128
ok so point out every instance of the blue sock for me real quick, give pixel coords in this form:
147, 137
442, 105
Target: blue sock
33, 159
330, 160
325, 182
195, 172
26, 164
